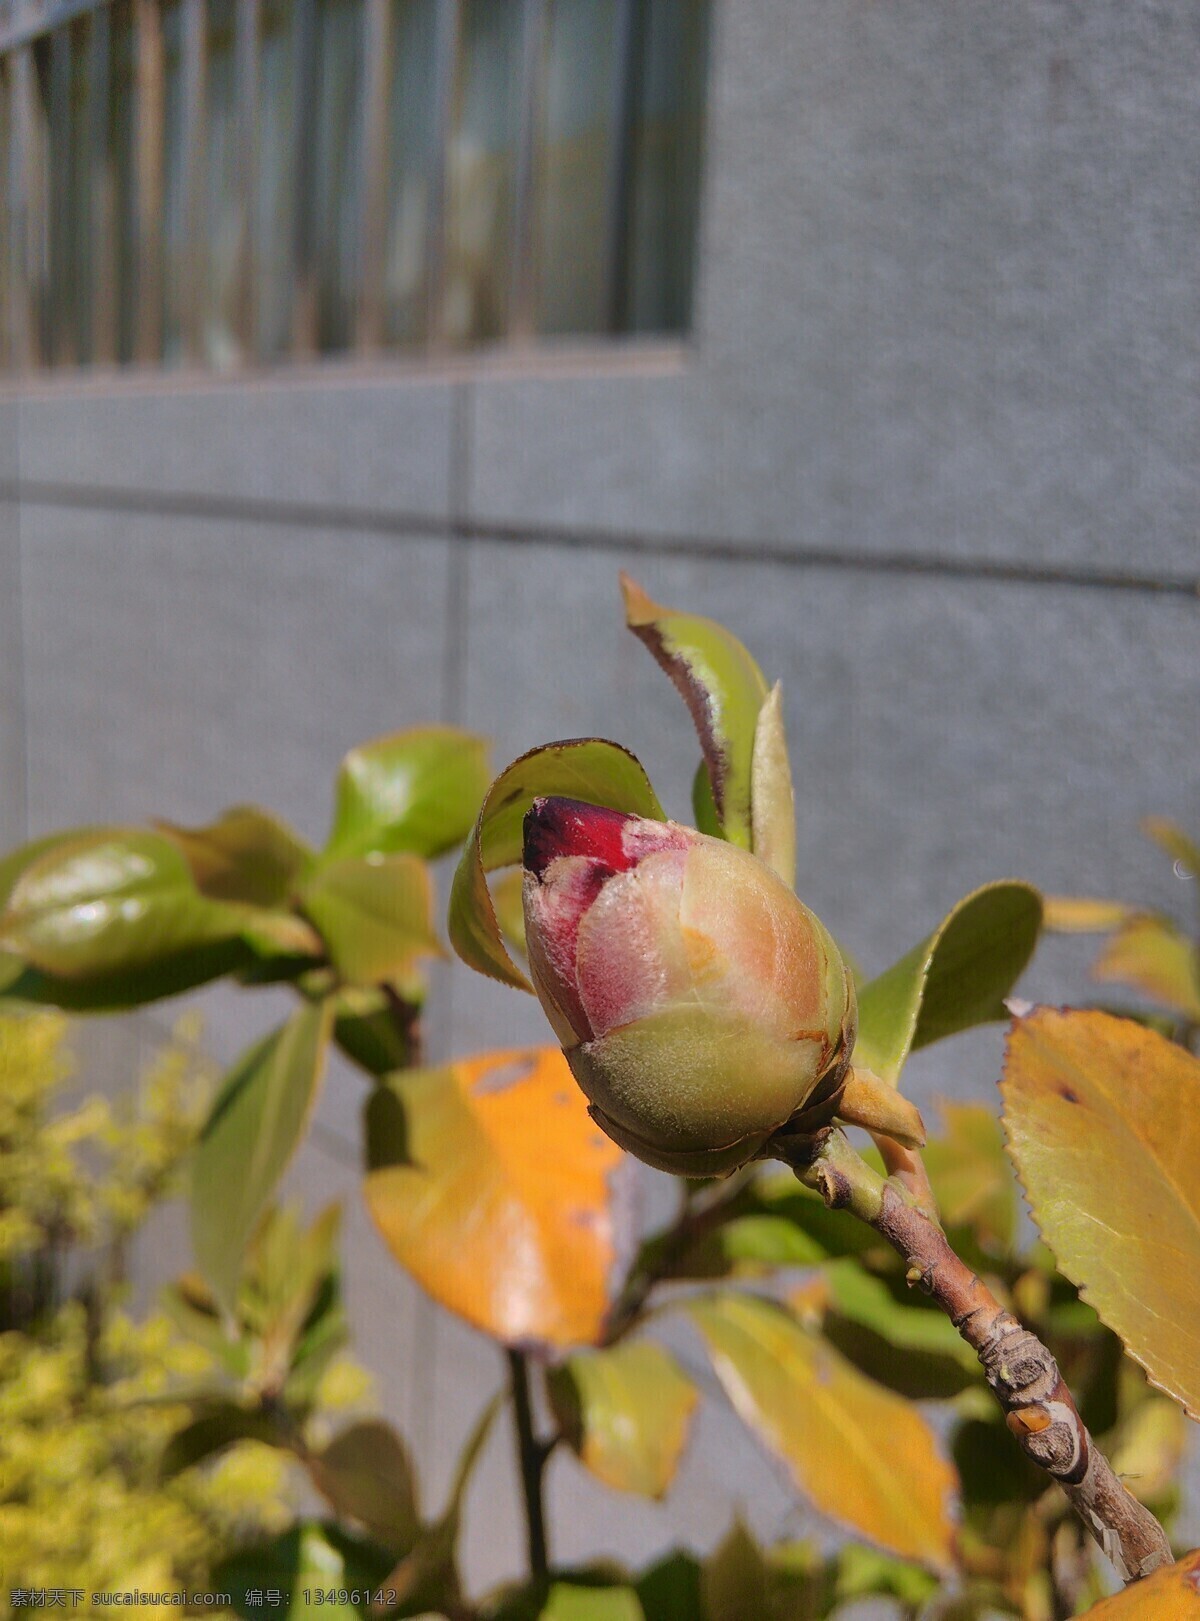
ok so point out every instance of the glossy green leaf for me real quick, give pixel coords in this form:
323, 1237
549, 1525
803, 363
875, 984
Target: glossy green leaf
1169, 836
14, 862
971, 1176
724, 690
308, 1556
772, 799
1157, 958
625, 1412
111, 918
109, 901
246, 855
366, 1475
1103, 1127
670, 1590
222, 1426
956, 978
255, 1125
415, 791
490, 1184
861, 1454
374, 913
589, 769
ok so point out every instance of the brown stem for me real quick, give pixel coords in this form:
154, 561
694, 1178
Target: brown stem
1040, 1410
532, 1456
905, 1166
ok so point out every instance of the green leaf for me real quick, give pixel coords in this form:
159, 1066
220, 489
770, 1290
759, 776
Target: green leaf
670, 1590
771, 1222
1104, 1130
375, 914
14, 863
625, 1413
562, 1599
509, 901
111, 918
246, 855
909, 1347
971, 1177
221, 1426
772, 800
588, 769
415, 791
724, 690
956, 978
109, 901
365, 1474
736, 1580
860, 1453
704, 806
426, 1577
255, 1125
312, 1556
371, 1032
1154, 955
867, 1573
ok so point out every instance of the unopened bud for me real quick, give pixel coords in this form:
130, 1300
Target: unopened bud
699, 1003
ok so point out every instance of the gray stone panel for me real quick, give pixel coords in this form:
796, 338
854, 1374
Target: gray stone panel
176, 666
367, 445
944, 732
947, 302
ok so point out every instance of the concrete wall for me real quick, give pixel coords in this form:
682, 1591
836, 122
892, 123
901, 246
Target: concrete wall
931, 452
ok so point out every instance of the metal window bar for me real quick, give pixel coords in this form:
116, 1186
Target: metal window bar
376, 79
193, 138
247, 49
533, 79
102, 193
148, 183
64, 281
445, 67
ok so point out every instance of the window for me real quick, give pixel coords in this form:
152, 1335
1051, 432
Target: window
234, 183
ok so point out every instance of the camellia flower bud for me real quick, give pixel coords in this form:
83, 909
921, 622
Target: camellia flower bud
699, 1003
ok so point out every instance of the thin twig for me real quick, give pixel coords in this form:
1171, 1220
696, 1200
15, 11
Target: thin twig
1024, 1376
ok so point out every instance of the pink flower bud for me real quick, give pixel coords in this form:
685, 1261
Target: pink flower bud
698, 1002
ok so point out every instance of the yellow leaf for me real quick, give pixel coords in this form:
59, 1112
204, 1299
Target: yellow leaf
1104, 1128
490, 1184
1079, 914
861, 1454
1156, 957
626, 1412
1171, 1594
